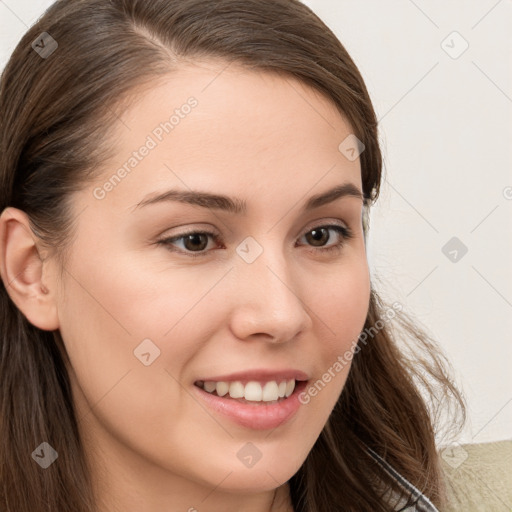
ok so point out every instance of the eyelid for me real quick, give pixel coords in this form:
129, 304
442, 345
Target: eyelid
210, 230
323, 222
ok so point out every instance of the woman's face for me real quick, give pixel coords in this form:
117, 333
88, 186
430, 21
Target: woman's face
267, 297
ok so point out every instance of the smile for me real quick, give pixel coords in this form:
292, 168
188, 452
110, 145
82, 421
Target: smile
253, 391
248, 407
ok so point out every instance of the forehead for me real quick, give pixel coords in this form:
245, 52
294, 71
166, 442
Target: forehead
226, 127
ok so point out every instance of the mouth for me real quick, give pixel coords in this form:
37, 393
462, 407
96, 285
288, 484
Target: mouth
253, 404
250, 392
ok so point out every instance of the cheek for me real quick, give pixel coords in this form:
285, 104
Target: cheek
340, 309
128, 301
341, 306
106, 312
112, 314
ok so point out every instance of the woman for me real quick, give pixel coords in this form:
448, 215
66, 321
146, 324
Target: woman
188, 321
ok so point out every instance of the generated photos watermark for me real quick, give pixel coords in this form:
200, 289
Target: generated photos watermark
344, 359
152, 141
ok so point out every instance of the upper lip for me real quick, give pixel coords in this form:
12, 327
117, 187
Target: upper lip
260, 375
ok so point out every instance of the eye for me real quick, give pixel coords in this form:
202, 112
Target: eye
194, 243
319, 236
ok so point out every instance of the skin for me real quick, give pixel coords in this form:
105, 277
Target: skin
264, 138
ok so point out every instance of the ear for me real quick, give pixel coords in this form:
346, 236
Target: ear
21, 269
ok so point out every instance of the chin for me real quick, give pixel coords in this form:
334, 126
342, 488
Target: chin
247, 482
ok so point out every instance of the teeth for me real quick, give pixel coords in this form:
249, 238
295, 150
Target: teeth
210, 386
222, 388
236, 390
290, 386
253, 391
271, 391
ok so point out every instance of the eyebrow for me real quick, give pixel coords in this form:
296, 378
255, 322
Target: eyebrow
239, 206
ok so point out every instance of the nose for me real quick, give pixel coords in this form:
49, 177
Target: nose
268, 297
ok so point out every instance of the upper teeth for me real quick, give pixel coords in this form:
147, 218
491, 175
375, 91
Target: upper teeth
253, 390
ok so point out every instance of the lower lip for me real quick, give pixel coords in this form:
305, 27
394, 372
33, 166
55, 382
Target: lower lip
260, 416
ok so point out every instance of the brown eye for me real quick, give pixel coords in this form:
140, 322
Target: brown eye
195, 242
192, 244
318, 236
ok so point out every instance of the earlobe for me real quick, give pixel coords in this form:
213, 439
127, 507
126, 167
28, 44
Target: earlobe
22, 271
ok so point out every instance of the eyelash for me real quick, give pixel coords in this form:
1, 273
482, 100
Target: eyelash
345, 232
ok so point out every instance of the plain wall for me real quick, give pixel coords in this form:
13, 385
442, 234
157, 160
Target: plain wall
446, 131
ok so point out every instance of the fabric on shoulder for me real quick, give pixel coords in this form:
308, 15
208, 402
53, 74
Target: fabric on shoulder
414, 500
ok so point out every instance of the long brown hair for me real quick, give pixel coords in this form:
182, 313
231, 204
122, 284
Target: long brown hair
56, 111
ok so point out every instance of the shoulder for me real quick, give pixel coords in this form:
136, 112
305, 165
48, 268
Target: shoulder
412, 499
